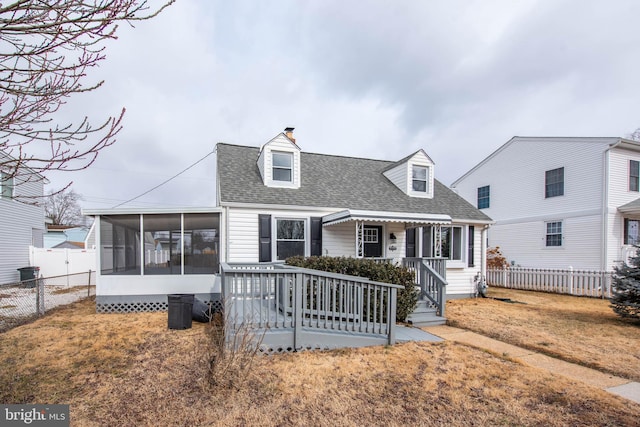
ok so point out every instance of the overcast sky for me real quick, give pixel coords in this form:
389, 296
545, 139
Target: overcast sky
375, 79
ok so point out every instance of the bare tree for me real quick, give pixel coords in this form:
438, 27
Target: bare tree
46, 50
635, 135
63, 207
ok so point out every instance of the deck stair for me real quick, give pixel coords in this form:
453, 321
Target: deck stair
425, 315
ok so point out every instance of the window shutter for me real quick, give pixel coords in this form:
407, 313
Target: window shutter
316, 236
264, 235
472, 230
411, 243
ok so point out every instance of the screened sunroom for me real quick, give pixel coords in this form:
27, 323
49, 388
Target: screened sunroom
144, 255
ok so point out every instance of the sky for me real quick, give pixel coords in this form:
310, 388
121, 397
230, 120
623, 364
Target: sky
373, 79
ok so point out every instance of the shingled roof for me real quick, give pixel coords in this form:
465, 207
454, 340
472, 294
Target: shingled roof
334, 182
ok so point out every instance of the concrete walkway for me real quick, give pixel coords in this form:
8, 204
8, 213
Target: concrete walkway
616, 385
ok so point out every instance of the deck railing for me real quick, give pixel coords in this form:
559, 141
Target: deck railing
303, 307
430, 277
571, 282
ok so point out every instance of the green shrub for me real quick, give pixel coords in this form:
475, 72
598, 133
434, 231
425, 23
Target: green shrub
378, 272
625, 299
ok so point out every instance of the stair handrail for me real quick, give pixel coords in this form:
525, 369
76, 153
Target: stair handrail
433, 286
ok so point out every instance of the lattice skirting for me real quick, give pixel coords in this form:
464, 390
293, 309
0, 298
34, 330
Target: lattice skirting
139, 303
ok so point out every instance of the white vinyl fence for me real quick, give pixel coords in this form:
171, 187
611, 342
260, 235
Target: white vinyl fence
62, 262
571, 282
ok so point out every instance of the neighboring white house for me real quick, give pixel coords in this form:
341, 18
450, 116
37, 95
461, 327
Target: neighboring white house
276, 201
21, 224
560, 202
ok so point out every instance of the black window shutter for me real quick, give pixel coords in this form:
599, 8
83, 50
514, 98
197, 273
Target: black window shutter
411, 243
472, 230
264, 235
316, 236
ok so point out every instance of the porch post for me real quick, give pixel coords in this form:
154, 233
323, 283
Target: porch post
359, 237
483, 251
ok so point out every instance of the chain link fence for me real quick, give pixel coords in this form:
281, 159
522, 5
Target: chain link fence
24, 301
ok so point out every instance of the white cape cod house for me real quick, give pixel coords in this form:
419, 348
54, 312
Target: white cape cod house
276, 201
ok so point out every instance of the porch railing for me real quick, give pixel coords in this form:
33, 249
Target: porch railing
571, 282
430, 276
304, 307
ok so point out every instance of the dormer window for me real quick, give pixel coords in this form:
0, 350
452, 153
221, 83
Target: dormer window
282, 166
419, 178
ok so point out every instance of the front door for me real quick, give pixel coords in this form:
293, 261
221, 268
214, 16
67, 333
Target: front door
372, 241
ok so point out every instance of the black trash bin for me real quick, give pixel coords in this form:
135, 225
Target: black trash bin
201, 311
29, 275
180, 306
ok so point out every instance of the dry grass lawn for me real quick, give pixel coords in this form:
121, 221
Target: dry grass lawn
130, 370
576, 329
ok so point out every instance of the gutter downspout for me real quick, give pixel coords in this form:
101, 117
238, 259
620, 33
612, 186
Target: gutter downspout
605, 212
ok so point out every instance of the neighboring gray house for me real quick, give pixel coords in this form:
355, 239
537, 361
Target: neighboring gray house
21, 224
560, 202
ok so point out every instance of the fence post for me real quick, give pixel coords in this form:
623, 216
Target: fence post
297, 308
391, 317
570, 280
40, 297
89, 285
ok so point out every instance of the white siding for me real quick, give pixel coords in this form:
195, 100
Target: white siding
619, 193
242, 225
580, 247
20, 225
282, 144
339, 240
242, 238
516, 176
401, 175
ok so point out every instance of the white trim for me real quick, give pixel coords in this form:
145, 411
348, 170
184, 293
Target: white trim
359, 215
274, 233
550, 217
142, 211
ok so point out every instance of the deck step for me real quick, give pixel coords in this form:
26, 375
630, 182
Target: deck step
421, 321
425, 315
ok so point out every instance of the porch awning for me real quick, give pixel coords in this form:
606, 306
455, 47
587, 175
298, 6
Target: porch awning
379, 216
632, 208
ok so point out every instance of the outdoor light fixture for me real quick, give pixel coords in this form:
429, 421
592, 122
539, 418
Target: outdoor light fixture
392, 237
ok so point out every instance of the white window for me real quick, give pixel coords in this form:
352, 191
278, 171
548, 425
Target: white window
634, 175
370, 235
282, 166
290, 238
451, 243
6, 186
554, 233
554, 183
419, 175
631, 231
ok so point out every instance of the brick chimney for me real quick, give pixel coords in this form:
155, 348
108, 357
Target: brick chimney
289, 133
